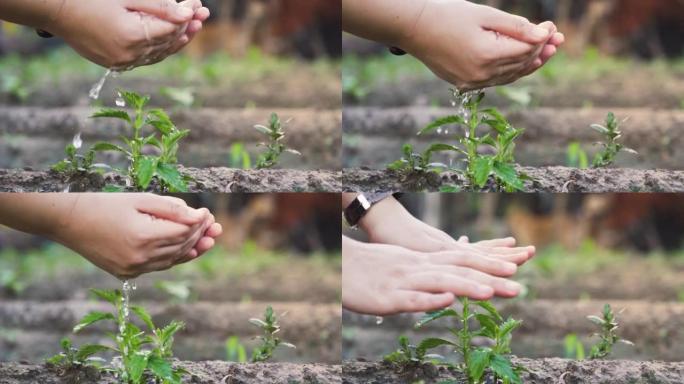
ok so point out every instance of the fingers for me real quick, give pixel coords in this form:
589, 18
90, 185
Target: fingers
437, 282
505, 242
517, 27
167, 10
202, 14
497, 267
557, 39
413, 301
204, 244
456, 275
214, 231
171, 210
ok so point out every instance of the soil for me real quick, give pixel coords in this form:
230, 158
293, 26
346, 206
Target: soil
209, 372
544, 179
542, 371
219, 180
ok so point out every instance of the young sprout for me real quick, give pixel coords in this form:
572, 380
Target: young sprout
477, 361
611, 147
75, 358
274, 147
143, 355
499, 164
235, 351
164, 138
407, 354
608, 327
269, 341
75, 163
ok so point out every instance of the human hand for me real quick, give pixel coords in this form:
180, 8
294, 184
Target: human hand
382, 280
120, 34
388, 222
131, 234
485, 47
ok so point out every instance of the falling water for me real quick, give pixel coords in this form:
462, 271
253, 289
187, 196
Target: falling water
379, 320
97, 87
127, 287
77, 142
120, 102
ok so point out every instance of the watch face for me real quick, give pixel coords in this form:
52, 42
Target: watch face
364, 202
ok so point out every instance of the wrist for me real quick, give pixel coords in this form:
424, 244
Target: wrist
54, 19
385, 210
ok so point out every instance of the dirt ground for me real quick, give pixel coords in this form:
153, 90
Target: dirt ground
544, 179
542, 371
218, 180
210, 372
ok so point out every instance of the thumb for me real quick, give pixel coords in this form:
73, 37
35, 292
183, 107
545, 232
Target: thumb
167, 10
518, 27
170, 209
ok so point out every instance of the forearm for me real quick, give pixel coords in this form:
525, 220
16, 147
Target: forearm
385, 21
33, 13
37, 213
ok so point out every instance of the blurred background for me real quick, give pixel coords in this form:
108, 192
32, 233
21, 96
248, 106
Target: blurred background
252, 58
281, 250
625, 250
623, 56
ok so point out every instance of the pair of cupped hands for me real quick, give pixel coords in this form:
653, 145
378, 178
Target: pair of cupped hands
409, 266
121, 34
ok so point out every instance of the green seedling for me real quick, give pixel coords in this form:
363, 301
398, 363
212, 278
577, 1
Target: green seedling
477, 361
178, 291
164, 137
420, 162
608, 327
407, 354
239, 157
182, 97
269, 341
611, 147
500, 164
275, 133
75, 163
574, 348
144, 356
576, 156
235, 351
72, 358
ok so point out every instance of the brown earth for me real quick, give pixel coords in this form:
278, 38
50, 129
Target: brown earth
544, 179
219, 180
209, 372
542, 371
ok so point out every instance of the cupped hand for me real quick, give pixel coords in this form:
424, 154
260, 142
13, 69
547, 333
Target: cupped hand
475, 46
388, 222
379, 279
121, 34
131, 234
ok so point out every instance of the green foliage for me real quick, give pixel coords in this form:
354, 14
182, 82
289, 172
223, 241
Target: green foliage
274, 147
239, 157
182, 97
235, 351
143, 354
165, 138
610, 146
407, 354
179, 291
477, 361
607, 333
574, 348
500, 165
75, 163
75, 358
269, 341
576, 156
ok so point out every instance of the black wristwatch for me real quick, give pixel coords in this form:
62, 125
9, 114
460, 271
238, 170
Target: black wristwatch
44, 34
397, 51
358, 208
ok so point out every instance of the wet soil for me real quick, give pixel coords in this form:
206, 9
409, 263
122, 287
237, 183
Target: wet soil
218, 180
542, 371
209, 372
544, 179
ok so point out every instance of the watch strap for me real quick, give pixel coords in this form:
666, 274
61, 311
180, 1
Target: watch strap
358, 208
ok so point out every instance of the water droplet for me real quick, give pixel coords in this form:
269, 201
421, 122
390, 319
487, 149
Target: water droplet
77, 142
97, 87
439, 131
120, 102
379, 320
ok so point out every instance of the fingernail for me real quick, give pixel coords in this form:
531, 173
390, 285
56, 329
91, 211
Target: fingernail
484, 290
185, 12
540, 32
513, 286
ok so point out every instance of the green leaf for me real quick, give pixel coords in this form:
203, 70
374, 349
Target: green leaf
433, 342
488, 325
508, 174
600, 128
262, 129
487, 306
503, 369
111, 188
104, 146
509, 326
112, 113
112, 297
482, 168
432, 316
91, 318
62, 166
450, 188
143, 315
135, 100
146, 167
171, 176
90, 349
442, 148
479, 360
453, 119
160, 367
136, 366
160, 120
